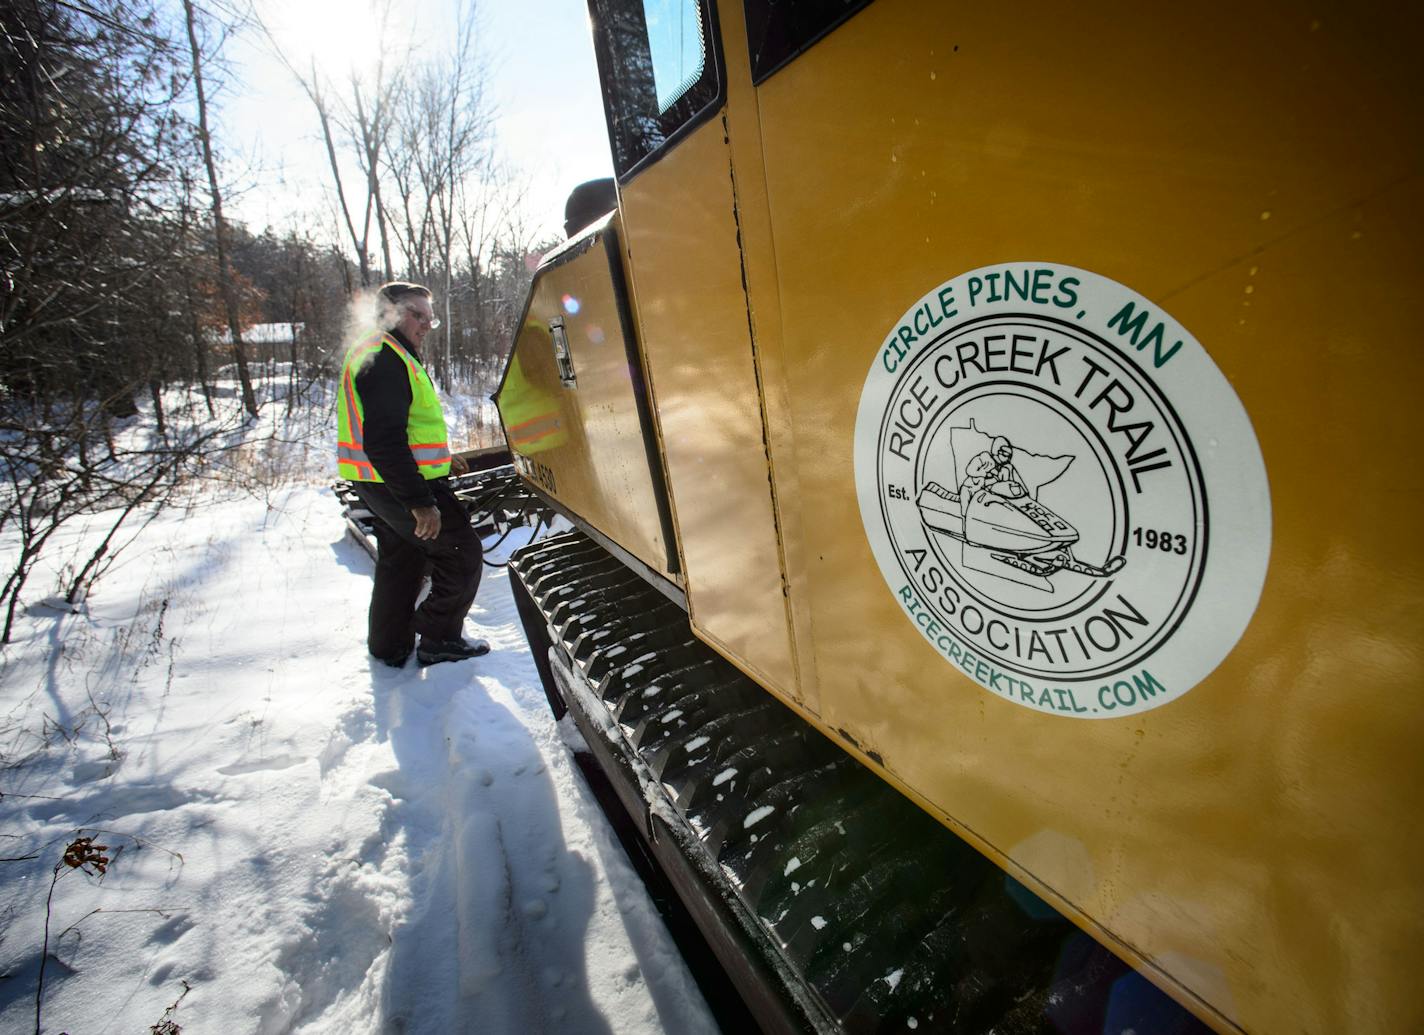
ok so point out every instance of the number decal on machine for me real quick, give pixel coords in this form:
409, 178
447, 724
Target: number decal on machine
541, 475
1153, 539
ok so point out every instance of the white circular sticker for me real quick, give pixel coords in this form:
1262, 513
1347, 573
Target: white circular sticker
1061, 489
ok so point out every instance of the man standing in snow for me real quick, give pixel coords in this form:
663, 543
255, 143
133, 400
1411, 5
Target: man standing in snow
392, 448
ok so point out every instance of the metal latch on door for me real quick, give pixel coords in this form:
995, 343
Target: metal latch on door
562, 356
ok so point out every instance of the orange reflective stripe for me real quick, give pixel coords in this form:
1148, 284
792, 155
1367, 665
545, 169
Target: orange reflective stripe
430, 454
532, 420
535, 429
352, 412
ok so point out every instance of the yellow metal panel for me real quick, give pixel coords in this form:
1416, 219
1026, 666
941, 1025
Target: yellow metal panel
696, 337
582, 444
753, 221
1255, 172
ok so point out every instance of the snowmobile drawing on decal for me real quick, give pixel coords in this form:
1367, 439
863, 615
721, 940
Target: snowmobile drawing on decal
995, 513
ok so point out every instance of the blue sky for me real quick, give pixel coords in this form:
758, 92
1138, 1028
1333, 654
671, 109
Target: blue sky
542, 79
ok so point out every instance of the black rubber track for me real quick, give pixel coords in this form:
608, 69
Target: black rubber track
874, 917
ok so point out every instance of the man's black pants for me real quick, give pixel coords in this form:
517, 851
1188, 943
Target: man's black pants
456, 558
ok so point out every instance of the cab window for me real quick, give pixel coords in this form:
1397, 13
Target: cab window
659, 73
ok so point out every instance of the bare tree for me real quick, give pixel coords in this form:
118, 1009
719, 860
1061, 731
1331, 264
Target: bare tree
362, 123
369, 128
437, 201
90, 134
447, 142
498, 248
359, 244
97, 238
249, 399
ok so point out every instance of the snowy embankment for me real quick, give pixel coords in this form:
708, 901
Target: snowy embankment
304, 839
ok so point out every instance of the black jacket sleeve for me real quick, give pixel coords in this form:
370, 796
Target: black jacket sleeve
384, 387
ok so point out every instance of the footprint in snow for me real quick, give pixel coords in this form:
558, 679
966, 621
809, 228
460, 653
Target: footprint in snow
100, 769
258, 765
391, 781
120, 801
171, 930
334, 753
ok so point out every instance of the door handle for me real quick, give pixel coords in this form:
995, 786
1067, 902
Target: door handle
562, 356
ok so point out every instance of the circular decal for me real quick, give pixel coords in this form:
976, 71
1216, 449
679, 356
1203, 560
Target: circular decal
1061, 489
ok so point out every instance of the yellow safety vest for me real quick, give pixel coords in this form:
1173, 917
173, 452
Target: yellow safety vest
425, 427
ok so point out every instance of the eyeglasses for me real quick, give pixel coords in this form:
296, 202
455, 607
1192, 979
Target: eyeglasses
432, 322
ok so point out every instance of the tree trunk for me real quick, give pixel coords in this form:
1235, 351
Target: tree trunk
447, 325
200, 348
156, 394
249, 400
358, 244
381, 229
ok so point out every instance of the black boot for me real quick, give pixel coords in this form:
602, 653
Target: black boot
433, 652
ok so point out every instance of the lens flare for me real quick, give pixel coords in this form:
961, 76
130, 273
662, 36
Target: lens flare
571, 305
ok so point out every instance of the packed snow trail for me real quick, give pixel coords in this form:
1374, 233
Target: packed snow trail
312, 841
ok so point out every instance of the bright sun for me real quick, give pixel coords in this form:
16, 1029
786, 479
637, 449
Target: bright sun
337, 35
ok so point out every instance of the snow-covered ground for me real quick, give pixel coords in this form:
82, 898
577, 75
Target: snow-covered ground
299, 840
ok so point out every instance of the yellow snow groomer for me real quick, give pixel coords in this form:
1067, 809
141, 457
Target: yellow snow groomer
988, 437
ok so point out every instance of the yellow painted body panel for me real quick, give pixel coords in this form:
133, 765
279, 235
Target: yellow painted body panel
582, 444
1254, 171
1257, 173
693, 322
